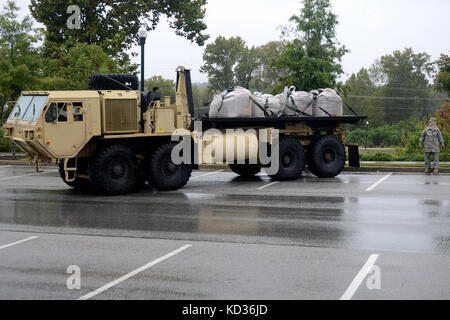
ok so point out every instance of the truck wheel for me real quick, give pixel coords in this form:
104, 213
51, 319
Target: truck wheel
163, 174
114, 170
78, 183
245, 170
326, 157
292, 160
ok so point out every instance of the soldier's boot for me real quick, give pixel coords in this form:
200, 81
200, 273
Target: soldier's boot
436, 172
427, 171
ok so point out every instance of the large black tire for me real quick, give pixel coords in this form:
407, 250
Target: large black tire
246, 170
163, 174
326, 157
113, 82
77, 184
292, 160
114, 170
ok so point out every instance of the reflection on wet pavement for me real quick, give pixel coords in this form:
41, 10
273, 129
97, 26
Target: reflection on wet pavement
348, 222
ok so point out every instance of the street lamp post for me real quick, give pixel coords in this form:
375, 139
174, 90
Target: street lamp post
142, 37
367, 132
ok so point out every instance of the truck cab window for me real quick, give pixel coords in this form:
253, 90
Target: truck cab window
62, 112
56, 111
52, 113
77, 111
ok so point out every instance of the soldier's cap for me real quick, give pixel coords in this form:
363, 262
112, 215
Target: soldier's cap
432, 120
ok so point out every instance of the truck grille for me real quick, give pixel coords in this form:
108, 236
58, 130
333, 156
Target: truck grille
120, 115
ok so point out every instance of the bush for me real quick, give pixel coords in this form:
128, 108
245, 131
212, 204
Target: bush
444, 156
5, 143
377, 157
375, 137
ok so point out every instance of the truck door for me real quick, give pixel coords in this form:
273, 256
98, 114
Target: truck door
64, 128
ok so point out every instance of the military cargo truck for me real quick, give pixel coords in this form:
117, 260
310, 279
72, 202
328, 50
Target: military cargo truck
114, 140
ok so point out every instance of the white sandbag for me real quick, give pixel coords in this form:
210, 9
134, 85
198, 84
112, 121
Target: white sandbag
272, 103
234, 104
329, 101
303, 100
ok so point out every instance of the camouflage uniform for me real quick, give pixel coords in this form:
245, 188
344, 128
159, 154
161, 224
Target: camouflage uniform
433, 141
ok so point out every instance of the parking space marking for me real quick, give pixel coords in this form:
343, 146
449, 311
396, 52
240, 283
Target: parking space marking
207, 174
268, 185
134, 272
18, 242
376, 184
2, 167
348, 294
27, 175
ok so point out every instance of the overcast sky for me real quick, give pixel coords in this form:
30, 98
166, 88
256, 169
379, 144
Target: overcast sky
369, 28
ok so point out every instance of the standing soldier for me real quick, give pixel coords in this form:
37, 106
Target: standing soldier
433, 140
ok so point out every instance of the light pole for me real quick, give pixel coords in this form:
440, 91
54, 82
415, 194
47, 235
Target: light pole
367, 133
142, 37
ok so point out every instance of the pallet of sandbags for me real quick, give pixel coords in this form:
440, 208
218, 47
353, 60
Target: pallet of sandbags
288, 104
299, 103
327, 103
232, 104
266, 105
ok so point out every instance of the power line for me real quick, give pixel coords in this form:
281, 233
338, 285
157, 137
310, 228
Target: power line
400, 98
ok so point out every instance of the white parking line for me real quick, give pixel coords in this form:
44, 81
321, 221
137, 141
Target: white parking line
268, 185
206, 174
133, 273
348, 294
27, 175
1, 167
379, 181
17, 242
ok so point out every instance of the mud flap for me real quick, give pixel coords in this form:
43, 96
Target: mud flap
353, 156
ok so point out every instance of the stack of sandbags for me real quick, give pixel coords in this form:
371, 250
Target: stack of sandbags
232, 104
327, 103
269, 102
303, 103
240, 103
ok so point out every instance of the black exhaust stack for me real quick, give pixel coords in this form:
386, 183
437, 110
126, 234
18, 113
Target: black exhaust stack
190, 97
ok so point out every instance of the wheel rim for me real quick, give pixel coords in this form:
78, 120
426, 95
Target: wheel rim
287, 159
168, 167
329, 155
117, 169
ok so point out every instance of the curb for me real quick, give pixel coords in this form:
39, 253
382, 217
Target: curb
350, 169
226, 168
23, 163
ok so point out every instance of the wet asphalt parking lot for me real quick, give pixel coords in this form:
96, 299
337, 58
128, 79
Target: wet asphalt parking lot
357, 236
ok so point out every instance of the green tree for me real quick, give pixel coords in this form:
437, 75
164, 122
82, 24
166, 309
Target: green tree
267, 75
114, 25
202, 97
361, 86
248, 62
442, 78
165, 86
403, 78
20, 60
71, 70
220, 61
313, 58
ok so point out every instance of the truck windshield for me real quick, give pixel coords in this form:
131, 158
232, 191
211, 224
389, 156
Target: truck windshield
28, 107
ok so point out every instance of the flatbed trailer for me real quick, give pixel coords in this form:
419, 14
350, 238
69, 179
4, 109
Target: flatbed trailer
279, 123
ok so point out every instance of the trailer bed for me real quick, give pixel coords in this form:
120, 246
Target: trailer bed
277, 123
